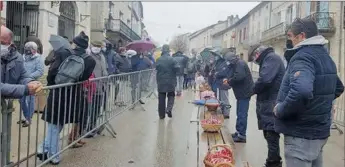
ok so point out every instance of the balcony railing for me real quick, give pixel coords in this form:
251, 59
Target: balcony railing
324, 21
274, 32
118, 25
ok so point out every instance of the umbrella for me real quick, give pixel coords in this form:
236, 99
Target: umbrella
58, 42
141, 45
208, 53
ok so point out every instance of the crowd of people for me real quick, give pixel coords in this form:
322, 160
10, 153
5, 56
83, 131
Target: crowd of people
76, 63
294, 100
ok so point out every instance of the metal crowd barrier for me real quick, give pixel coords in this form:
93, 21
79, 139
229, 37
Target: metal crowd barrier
72, 112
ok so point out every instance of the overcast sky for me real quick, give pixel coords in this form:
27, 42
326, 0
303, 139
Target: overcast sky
162, 18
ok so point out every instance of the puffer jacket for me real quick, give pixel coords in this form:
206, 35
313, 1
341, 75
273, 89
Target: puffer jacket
308, 89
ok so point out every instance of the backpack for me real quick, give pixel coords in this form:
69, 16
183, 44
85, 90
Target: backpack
71, 69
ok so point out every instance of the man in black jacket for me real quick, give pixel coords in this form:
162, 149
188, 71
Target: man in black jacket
242, 84
266, 88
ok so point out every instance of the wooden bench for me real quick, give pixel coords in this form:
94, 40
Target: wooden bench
200, 142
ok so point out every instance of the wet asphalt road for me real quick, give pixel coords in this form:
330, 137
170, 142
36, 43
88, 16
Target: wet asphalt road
145, 141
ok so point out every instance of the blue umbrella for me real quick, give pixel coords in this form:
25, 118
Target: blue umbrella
59, 42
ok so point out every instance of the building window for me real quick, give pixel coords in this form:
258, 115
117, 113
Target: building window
240, 36
121, 15
259, 12
128, 22
244, 33
289, 15
344, 17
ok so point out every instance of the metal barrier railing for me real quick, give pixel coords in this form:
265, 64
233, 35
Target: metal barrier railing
72, 112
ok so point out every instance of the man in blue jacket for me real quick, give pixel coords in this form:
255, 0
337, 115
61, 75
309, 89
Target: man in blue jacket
271, 72
304, 103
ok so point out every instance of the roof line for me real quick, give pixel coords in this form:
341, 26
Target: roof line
242, 19
196, 33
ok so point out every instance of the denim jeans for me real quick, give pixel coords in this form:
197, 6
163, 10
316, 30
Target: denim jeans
50, 144
242, 115
28, 106
224, 99
303, 152
179, 84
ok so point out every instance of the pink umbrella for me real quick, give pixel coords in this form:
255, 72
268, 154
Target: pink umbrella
141, 45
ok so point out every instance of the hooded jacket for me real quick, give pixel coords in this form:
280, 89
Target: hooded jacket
308, 89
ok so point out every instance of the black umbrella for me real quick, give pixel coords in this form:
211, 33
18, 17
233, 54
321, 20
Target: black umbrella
59, 42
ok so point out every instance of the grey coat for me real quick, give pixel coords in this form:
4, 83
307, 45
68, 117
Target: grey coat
167, 68
14, 76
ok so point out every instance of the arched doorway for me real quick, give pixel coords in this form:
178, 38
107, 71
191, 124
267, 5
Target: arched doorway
67, 19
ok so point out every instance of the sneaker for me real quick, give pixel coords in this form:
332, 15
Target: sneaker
42, 156
25, 124
161, 117
238, 139
226, 116
141, 102
21, 122
234, 135
273, 164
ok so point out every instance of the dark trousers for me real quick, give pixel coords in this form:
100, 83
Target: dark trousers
242, 116
273, 157
90, 119
162, 106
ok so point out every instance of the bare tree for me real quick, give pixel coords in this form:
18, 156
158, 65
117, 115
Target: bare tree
179, 43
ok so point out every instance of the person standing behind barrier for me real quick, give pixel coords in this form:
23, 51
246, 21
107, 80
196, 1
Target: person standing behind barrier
66, 104
34, 65
100, 70
167, 68
266, 88
16, 81
242, 84
304, 105
123, 64
51, 57
145, 64
138, 62
110, 56
182, 60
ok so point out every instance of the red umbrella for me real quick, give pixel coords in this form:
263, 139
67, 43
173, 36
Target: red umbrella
141, 45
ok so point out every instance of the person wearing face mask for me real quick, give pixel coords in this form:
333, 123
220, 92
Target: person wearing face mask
100, 70
34, 65
242, 83
123, 63
15, 80
110, 55
56, 114
219, 72
271, 72
304, 103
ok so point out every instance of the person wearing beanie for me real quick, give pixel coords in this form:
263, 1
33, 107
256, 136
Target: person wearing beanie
266, 88
167, 68
56, 105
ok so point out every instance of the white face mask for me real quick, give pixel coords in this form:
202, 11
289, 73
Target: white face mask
228, 63
95, 50
4, 50
104, 49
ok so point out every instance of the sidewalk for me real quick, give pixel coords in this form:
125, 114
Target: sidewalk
145, 141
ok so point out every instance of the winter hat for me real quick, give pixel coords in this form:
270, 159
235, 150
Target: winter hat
165, 48
81, 40
97, 43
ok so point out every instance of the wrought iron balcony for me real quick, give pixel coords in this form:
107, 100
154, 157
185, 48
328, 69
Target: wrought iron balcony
274, 32
117, 25
324, 21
